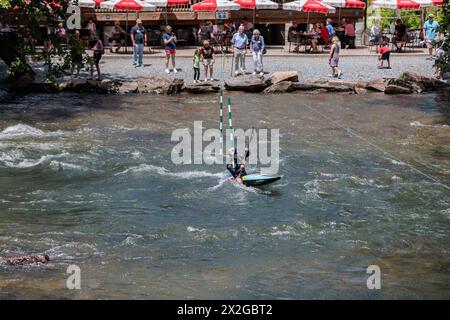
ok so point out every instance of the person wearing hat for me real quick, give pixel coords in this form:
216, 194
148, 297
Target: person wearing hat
430, 33
139, 39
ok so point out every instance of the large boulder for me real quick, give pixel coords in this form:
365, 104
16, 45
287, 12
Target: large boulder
426, 82
247, 84
377, 85
128, 87
323, 87
202, 87
412, 86
396, 89
108, 86
279, 76
159, 84
280, 87
25, 260
339, 82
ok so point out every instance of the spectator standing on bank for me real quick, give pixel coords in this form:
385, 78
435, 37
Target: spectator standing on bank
384, 54
430, 33
196, 65
98, 52
333, 59
258, 47
170, 40
239, 42
208, 59
138, 39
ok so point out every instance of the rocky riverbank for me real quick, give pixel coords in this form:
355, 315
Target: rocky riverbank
277, 82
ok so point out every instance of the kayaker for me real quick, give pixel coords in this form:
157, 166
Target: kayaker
238, 170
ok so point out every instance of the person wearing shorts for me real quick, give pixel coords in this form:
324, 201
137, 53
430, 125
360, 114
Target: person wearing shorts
384, 54
98, 52
170, 40
208, 59
430, 33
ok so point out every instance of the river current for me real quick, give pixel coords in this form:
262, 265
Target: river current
88, 179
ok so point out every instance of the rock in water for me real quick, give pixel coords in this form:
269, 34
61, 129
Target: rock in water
25, 260
160, 84
202, 87
377, 85
128, 87
247, 84
282, 76
280, 87
396, 89
324, 87
426, 82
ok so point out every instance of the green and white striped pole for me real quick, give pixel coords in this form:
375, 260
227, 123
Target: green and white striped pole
221, 121
230, 125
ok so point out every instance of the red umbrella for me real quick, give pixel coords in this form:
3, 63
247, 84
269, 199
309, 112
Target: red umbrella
246, 4
215, 5
396, 4
345, 3
309, 6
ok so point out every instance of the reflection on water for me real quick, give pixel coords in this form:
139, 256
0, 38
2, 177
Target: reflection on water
88, 180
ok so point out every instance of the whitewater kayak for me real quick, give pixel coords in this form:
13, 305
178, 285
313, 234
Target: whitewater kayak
255, 180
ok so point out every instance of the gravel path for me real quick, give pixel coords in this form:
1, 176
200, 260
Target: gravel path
309, 67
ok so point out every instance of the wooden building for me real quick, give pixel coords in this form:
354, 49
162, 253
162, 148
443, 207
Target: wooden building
273, 24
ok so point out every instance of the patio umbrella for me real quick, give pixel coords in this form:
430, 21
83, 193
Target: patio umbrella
127, 5
256, 4
84, 3
168, 3
215, 5
98, 2
347, 3
396, 4
309, 6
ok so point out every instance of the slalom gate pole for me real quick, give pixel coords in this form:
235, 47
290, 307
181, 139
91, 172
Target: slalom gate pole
221, 121
230, 124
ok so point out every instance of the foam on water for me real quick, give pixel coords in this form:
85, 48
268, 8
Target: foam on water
163, 171
23, 130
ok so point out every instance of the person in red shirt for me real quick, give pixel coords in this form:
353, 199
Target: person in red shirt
384, 53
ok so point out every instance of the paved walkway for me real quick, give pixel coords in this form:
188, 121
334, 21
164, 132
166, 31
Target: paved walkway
309, 66
277, 51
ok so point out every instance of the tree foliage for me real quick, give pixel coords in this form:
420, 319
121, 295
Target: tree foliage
36, 15
443, 62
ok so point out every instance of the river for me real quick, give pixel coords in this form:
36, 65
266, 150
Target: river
88, 179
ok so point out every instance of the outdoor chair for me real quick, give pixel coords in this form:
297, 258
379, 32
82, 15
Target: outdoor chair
182, 37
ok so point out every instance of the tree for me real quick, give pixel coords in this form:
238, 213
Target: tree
34, 14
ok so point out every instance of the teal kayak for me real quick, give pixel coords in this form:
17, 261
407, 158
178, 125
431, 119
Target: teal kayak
256, 180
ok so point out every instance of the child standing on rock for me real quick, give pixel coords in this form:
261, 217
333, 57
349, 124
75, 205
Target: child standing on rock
196, 65
333, 59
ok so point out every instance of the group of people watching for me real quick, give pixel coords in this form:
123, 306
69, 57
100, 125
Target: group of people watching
320, 34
